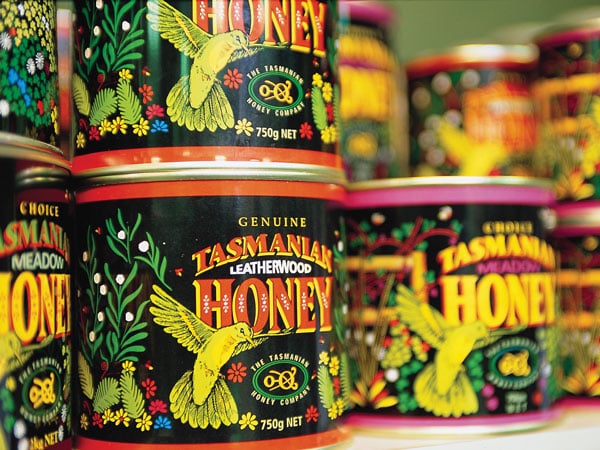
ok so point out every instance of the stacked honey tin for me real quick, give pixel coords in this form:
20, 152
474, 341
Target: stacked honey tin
568, 94
454, 306
207, 169
35, 234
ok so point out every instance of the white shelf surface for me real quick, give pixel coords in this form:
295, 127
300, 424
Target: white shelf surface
577, 427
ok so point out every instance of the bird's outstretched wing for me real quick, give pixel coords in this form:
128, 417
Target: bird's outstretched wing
179, 321
420, 317
177, 28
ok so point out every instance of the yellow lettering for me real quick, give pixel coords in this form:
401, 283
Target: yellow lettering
459, 298
500, 300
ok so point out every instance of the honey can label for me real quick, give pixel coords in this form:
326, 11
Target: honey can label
29, 70
226, 80
204, 320
35, 321
453, 310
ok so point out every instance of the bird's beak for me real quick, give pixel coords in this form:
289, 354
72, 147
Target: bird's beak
251, 341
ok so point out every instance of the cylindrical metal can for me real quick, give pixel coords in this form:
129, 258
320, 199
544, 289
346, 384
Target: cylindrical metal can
208, 312
577, 241
471, 112
453, 304
374, 139
205, 80
567, 94
35, 296
29, 69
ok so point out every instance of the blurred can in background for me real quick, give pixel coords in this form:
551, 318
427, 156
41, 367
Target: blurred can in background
29, 70
453, 304
373, 110
567, 94
577, 241
471, 112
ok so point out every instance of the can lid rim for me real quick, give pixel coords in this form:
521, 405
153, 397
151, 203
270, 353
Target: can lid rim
450, 181
15, 146
569, 29
474, 54
211, 170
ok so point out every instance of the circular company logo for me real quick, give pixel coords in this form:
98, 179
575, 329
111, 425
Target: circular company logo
41, 393
281, 379
276, 90
514, 363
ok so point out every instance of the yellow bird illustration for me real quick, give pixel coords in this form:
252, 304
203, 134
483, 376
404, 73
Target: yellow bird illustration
197, 100
201, 396
471, 157
442, 387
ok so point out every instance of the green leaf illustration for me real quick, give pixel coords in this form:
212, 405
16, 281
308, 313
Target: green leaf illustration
133, 399
85, 376
130, 107
81, 97
107, 395
318, 109
336, 107
104, 105
326, 390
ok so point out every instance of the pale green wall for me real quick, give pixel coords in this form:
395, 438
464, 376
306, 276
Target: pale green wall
424, 25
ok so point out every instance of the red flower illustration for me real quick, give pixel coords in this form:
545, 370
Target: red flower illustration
306, 131
312, 414
157, 406
337, 385
155, 111
97, 420
94, 134
147, 93
150, 386
237, 372
329, 109
233, 78
40, 107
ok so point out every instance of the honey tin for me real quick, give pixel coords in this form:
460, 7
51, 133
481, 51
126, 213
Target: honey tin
471, 112
453, 304
35, 296
374, 137
208, 80
567, 94
577, 240
29, 70
208, 312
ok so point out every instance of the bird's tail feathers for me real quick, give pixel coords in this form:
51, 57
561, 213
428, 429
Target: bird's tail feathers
218, 409
215, 112
460, 399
